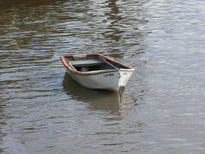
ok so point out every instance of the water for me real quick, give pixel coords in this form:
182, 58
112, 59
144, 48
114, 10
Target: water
160, 111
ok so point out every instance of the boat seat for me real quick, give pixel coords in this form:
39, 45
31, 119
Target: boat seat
85, 62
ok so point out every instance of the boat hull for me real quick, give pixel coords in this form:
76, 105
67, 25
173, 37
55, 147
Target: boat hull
110, 79
124, 77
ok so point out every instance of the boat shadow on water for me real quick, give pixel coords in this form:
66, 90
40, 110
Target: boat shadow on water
113, 102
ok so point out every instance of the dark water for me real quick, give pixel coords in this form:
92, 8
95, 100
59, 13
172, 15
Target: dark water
160, 111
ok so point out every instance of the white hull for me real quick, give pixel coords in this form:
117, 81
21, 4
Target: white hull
108, 81
96, 71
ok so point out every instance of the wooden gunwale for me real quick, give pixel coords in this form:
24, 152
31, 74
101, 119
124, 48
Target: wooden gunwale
72, 69
129, 68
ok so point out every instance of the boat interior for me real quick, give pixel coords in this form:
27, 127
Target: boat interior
93, 63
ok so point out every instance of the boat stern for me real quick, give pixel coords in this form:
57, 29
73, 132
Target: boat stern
125, 76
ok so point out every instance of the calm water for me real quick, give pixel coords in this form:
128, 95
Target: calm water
160, 111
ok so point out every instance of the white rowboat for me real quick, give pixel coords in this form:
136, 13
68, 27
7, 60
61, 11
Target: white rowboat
97, 71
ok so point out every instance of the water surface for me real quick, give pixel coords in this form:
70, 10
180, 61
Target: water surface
162, 108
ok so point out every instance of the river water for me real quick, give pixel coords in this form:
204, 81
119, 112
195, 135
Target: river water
162, 108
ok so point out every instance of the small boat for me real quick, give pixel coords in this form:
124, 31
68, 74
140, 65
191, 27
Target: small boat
97, 71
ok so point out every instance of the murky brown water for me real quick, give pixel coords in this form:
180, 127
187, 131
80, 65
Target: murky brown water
160, 111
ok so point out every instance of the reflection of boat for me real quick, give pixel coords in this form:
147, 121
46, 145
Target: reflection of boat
96, 71
99, 100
